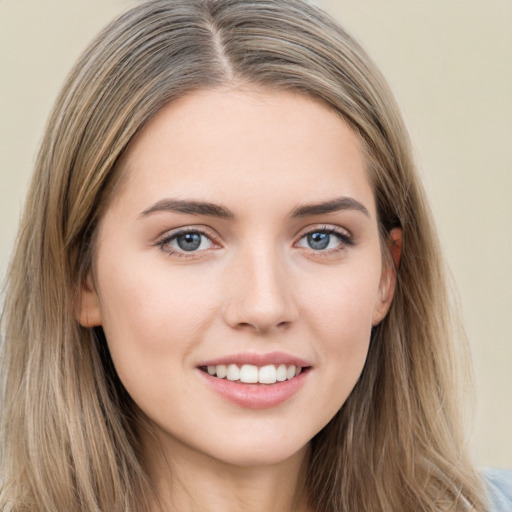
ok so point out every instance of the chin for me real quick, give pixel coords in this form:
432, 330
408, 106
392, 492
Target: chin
261, 456
259, 449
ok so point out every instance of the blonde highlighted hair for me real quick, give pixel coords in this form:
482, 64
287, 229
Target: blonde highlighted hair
69, 430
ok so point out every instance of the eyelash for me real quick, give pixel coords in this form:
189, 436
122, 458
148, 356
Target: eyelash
168, 238
344, 237
345, 240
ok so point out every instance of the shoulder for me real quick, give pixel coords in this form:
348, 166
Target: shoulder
499, 487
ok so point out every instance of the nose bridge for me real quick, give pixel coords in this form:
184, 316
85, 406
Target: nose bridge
259, 292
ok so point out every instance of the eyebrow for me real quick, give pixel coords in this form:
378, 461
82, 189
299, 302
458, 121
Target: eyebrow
190, 207
216, 210
334, 205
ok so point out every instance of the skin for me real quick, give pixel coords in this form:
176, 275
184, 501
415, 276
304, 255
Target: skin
255, 285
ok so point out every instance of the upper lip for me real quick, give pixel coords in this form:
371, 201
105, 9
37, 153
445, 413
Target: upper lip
256, 359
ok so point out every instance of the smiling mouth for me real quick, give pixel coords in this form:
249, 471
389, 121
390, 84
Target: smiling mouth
252, 374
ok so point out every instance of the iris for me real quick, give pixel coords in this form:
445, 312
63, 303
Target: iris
189, 241
318, 240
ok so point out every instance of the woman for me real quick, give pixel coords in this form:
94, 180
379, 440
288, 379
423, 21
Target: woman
227, 290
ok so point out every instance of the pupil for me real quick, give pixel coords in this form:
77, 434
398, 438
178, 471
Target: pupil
318, 241
189, 241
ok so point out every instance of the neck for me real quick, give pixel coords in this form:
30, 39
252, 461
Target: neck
190, 481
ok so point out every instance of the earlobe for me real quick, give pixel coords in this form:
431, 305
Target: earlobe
88, 312
388, 277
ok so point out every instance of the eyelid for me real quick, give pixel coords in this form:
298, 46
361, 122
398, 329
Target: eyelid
344, 236
172, 234
344, 233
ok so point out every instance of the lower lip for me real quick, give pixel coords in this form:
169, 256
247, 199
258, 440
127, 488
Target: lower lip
256, 396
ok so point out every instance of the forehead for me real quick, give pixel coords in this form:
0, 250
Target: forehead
219, 143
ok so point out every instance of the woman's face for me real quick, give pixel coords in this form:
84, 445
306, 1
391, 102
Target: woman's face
243, 240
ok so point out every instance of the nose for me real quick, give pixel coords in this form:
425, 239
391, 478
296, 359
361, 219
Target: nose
259, 293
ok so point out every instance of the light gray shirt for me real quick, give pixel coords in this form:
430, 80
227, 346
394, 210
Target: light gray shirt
499, 487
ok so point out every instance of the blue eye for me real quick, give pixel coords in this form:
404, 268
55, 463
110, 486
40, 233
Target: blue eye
187, 241
324, 239
319, 241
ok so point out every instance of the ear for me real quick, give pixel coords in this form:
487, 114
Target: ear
388, 276
88, 312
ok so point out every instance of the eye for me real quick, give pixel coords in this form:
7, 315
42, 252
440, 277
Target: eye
325, 239
186, 241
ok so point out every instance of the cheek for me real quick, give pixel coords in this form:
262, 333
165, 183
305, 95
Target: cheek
148, 312
342, 309
153, 322
346, 334
341, 322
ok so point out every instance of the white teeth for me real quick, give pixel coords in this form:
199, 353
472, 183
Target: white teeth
233, 372
252, 374
249, 374
281, 373
221, 371
267, 374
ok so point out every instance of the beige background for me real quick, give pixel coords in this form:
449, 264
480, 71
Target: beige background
450, 65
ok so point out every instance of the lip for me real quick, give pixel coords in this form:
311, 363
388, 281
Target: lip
258, 359
255, 396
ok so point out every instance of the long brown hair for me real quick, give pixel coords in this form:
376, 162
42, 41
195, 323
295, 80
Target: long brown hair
69, 439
